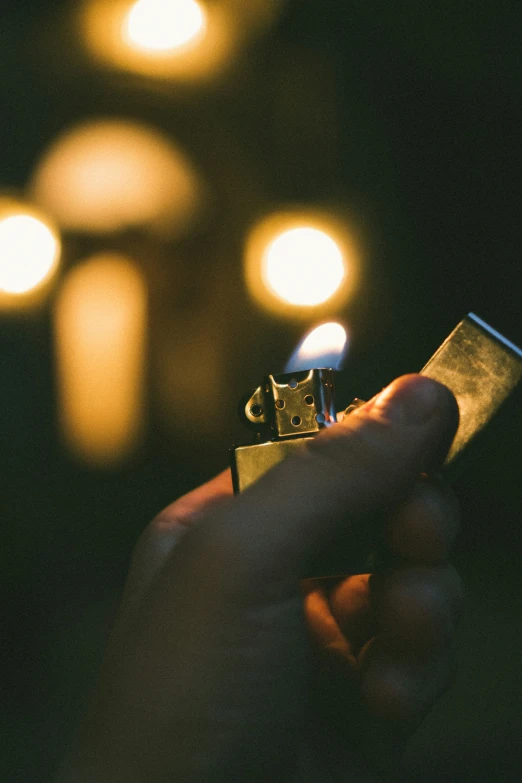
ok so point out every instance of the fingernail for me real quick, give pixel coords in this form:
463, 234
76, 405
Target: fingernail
412, 399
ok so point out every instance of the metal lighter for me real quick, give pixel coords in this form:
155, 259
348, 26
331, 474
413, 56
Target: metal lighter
478, 364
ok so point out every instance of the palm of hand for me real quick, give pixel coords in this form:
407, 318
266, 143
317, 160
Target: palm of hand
377, 648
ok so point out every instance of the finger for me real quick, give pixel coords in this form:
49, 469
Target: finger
401, 690
424, 527
353, 610
347, 475
417, 608
190, 507
324, 630
166, 530
422, 530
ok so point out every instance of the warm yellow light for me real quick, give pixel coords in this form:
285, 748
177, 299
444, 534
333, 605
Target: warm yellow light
166, 39
29, 253
111, 175
165, 25
100, 328
303, 266
300, 261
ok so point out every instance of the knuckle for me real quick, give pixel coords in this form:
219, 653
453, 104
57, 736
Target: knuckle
165, 520
180, 514
166, 525
157, 540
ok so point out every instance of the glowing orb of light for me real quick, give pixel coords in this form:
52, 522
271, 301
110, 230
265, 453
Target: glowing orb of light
300, 261
111, 175
324, 346
303, 266
164, 25
182, 40
29, 250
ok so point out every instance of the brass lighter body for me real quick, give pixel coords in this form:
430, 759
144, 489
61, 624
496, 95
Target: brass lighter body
283, 412
479, 366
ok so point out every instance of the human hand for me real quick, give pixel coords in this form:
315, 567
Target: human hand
222, 668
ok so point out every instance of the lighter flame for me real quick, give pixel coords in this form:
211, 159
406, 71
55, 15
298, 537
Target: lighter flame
164, 25
324, 346
29, 251
303, 266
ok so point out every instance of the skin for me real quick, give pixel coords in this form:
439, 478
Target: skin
224, 666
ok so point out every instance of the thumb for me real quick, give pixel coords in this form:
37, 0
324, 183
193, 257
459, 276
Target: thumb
345, 476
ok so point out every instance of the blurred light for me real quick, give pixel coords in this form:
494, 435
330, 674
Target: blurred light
188, 40
29, 252
324, 346
163, 25
303, 266
111, 175
299, 260
100, 330
166, 39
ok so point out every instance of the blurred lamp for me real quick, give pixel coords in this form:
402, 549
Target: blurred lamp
100, 332
111, 175
303, 266
29, 253
165, 25
184, 40
297, 261
165, 39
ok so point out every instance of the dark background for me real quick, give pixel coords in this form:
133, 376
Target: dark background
409, 117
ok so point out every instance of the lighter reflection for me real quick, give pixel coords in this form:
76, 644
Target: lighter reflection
164, 25
100, 328
324, 346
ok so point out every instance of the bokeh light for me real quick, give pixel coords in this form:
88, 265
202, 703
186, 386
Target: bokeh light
111, 175
165, 25
29, 253
183, 40
324, 346
299, 261
303, 266
166, 39
100, 333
